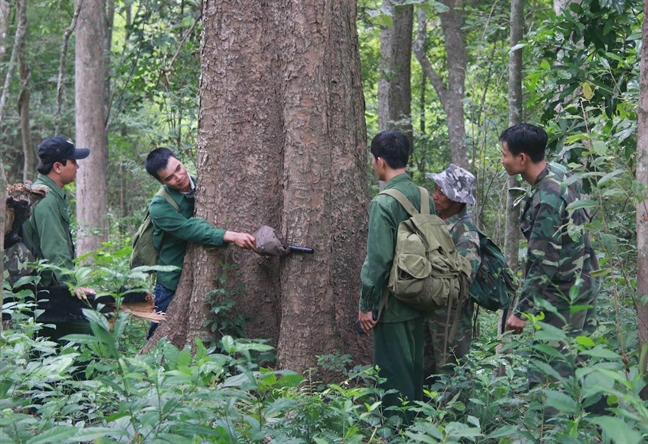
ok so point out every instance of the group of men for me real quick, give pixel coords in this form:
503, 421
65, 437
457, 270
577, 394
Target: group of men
408, 343
557, 259
48, 236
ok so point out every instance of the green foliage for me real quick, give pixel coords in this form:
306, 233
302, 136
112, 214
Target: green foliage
223, 394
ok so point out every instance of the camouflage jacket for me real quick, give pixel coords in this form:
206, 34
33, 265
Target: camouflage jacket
466, 239
557, 245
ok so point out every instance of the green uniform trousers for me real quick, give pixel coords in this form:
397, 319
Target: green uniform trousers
398, 352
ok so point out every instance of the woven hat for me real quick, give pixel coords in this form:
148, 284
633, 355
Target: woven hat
269, 242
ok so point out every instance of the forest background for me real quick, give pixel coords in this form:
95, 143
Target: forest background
273, 111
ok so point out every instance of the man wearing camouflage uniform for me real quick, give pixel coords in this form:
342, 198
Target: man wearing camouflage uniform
448, 333
559, 253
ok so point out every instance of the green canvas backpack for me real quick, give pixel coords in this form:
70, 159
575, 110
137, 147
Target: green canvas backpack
495, 283
144, 251
427, 273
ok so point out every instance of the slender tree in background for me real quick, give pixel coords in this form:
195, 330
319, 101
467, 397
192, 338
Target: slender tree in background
642, 204
90, 104
451, 93
24, 96
516, 107
394, 85
3, 213
281, 142
21, 29
5, 12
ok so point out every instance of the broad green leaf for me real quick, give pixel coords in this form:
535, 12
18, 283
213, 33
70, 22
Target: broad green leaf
577, 205
599, 148
560, 401
608, 176
617, 430
55, 434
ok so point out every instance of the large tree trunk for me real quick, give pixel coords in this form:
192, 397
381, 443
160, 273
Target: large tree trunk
394, 86
23, 98
516, 104
281, 142
90, 103
451, 94
642, 206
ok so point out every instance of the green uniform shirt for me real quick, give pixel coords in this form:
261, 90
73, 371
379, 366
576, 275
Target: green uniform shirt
173, 230
385, 214
558, 248
47, 233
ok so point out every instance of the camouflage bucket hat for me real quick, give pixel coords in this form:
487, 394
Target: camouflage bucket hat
269, 242
456, 183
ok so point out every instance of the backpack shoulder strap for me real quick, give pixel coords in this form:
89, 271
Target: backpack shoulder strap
403, 200
425, 201
163, 193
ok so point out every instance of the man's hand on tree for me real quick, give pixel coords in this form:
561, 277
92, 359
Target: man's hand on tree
243, 240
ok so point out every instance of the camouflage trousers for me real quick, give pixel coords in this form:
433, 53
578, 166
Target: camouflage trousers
442, 352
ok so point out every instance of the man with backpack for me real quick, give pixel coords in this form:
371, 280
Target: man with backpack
398, 327
449, 333
559, 258
175, 225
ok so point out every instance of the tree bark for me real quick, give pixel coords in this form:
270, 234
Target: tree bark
90, 103
451, 93
23, 98
281, 142
394, 85
642, 206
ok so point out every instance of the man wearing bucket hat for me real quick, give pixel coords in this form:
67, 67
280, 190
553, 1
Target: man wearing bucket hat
47, 232
445, 342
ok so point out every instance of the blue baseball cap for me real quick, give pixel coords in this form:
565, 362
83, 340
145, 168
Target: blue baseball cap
58, 148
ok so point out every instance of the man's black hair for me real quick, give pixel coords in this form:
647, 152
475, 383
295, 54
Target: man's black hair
525, 138
45, 168
392, 146
157, 160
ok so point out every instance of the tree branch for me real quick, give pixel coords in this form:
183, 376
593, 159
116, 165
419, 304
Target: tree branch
20, 34
418, 47
61, 76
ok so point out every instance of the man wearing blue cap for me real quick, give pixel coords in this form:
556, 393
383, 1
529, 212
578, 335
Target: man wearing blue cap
47, 232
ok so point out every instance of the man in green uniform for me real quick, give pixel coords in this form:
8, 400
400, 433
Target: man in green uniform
398, 331
452, 195
47, 232
174, 229
559, 254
